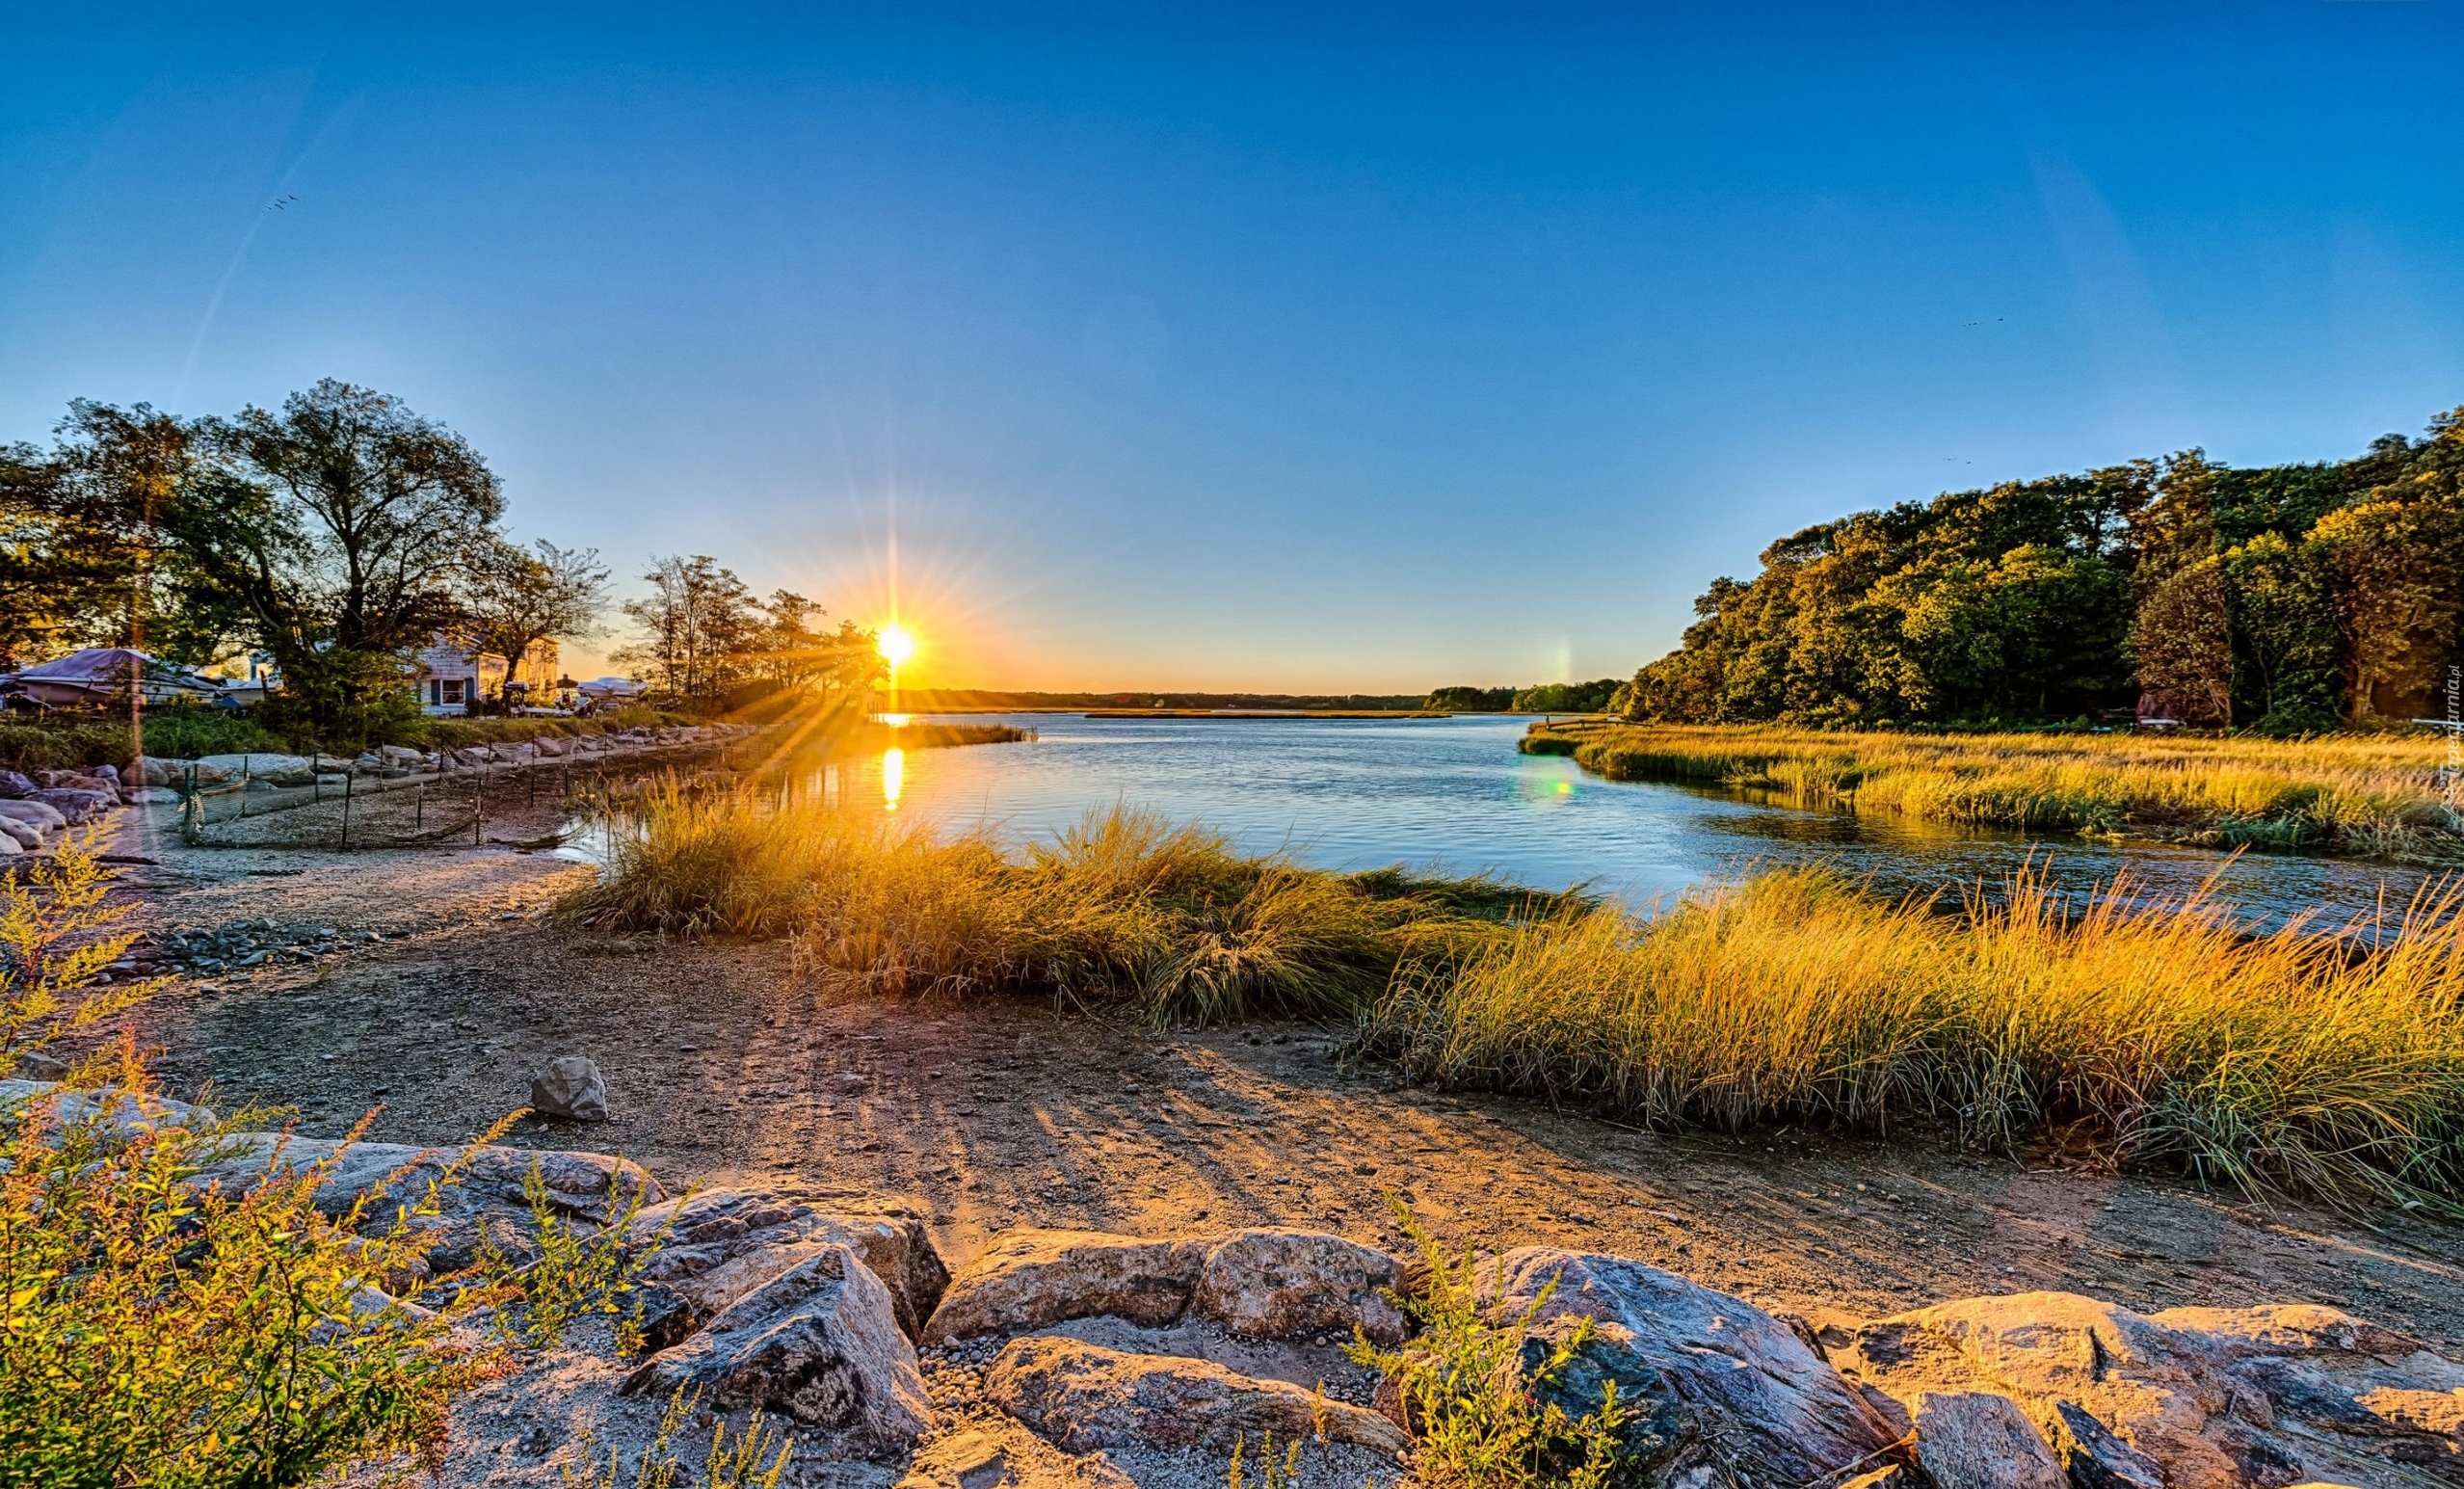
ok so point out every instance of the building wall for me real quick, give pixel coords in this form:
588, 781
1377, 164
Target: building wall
449, 678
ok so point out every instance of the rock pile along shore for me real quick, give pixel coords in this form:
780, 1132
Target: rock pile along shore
1089, 1359
36, 809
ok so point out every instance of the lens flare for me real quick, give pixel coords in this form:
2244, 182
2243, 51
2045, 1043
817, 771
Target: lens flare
897, 645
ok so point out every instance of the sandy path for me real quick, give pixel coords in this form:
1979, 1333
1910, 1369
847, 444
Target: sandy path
993, 1113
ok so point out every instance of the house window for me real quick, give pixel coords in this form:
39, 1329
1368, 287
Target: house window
452, 690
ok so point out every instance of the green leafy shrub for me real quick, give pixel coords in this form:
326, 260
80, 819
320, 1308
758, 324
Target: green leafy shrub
185, 734
571, 1273
1473, 1392
157, 1332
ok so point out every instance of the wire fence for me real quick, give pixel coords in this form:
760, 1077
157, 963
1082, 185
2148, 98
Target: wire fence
523, 804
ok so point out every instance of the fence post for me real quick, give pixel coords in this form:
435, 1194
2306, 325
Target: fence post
478, 803
346, 813
418, 805
245, 778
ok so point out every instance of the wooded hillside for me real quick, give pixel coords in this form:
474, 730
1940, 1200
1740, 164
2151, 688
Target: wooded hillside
2284, 598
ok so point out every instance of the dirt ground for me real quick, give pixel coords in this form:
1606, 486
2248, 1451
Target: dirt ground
724, 1065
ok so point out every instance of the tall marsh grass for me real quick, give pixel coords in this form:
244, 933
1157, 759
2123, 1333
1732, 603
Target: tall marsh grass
1122, 908
2298, 1061
2326, 1063
2366, 795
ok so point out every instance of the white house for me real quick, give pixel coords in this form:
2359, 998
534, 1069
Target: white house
450, 676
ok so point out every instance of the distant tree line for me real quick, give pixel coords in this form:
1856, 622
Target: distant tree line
2284, 598
1539, 697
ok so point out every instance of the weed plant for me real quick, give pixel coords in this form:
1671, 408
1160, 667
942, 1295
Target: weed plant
157, 1330
1475, 1390
570, 1273
756, 1459
2373, 796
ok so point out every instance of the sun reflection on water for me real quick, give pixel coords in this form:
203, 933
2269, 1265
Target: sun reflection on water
893, 774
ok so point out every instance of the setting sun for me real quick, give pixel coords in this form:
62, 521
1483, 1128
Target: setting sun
897, 645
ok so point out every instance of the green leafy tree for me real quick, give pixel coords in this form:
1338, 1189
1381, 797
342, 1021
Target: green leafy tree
517, 597
1470, 700
334, 534
698, 629
81, 552
2287, 668
2211, 594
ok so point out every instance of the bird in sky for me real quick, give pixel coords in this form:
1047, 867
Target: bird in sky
278, 202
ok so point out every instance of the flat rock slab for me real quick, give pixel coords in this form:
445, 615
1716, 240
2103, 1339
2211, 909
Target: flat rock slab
817, 1342
1084, 1397
1719, 1386
1029, 1280
593, 1186
1263, 1282
2206, 1399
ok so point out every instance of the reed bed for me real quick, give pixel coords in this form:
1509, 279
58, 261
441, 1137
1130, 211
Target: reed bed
1124, 908
2313, 1061
2329, 1064
2365, 796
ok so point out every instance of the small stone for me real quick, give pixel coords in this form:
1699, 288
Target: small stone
571, 1087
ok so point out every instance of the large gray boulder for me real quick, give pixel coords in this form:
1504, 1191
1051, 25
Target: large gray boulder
593, 1188
1083, 1398
14, 784
2202, 1399
719, 1244
74, 803
818, 1343
41, 818
1267, 1283
1720, 1388
1280, 1284
1034, 1279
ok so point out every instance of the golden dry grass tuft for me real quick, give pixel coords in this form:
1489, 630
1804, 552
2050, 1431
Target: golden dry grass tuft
1124, 908
2302, 1062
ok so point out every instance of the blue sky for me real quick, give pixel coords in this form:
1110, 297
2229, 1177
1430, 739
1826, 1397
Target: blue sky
1302, 347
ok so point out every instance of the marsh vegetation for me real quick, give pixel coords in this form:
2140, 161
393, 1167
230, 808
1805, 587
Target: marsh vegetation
2373, 796
2325, 1061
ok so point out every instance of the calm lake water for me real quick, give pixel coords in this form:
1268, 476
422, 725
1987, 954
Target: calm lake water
1454, 795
